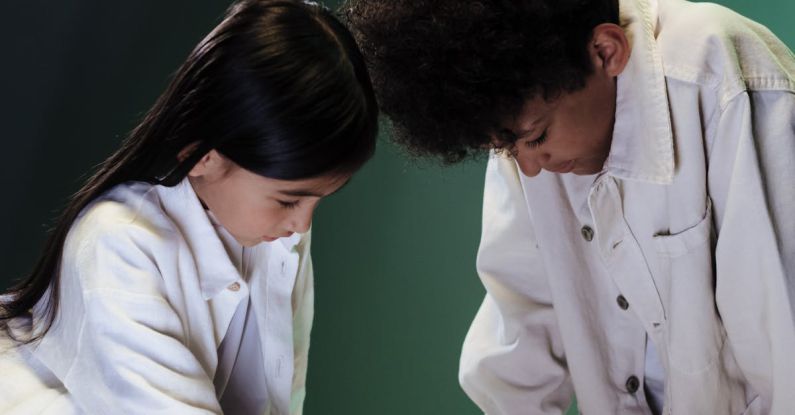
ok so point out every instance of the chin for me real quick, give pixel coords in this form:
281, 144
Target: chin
248, 243
588, 170
585, 171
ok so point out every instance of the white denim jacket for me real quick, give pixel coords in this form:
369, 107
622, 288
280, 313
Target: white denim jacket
686, 239
147, 294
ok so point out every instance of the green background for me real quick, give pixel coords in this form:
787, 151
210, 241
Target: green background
394, 251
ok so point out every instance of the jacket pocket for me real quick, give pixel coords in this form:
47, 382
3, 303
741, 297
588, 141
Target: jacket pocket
695, 334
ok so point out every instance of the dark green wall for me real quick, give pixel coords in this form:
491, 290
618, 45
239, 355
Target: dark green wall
394, 251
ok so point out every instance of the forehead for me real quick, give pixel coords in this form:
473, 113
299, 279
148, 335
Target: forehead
531, 114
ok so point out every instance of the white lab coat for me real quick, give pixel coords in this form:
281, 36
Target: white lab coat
691, 224
147, 294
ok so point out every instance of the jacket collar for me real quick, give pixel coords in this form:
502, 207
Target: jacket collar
642, 146
214, 267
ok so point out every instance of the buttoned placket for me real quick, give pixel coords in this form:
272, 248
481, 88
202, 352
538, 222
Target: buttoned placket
274, 318
627, 267
622, 254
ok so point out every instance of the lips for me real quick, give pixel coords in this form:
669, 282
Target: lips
273, 238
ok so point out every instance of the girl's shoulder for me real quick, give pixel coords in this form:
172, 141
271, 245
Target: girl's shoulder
123, 241
128, 208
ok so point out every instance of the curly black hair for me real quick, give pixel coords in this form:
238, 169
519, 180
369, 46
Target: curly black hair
448, 72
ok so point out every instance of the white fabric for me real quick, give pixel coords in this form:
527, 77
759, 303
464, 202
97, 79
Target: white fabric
145, 302
245, 390
694, 225
229, 349
240, 381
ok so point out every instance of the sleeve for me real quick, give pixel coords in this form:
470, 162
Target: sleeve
127, 349
752, 170
303, 314
512, 360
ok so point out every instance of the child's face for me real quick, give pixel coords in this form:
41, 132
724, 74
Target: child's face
254, 208
570, 134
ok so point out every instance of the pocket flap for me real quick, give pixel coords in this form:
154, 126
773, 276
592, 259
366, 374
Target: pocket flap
681, 243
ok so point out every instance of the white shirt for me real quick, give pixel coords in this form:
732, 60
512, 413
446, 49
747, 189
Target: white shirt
692, 222
240, 381
147, 295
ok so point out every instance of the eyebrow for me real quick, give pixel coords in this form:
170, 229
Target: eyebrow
311, 193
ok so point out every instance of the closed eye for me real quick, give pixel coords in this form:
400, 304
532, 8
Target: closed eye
538, 141
508, 139
288, 205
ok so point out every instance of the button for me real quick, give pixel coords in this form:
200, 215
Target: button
633, 384
622, 302
282, 270
587, 233
233, 287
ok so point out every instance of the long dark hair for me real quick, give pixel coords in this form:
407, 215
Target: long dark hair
279, 87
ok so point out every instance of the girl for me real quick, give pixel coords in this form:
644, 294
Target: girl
178, 279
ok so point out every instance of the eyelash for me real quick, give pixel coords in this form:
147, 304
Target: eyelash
538, 141
288, 205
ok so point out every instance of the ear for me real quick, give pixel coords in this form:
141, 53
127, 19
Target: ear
211, 166
609, 49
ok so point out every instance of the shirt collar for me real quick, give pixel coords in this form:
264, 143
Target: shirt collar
642, 145
215, 269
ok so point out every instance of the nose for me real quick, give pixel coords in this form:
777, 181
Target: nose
301, 221
530, 162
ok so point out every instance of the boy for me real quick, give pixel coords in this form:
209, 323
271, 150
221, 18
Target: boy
638, 242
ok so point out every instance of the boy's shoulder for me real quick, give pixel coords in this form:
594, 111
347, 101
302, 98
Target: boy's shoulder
712, 45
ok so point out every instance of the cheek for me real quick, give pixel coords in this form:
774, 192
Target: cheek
255, 219
586, 137
571, 141
266, 218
